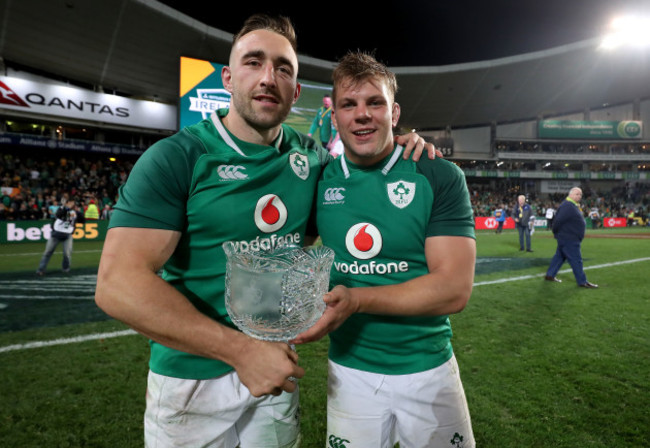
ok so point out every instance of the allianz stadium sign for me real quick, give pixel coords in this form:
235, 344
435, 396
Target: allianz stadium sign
579, 129
41, 98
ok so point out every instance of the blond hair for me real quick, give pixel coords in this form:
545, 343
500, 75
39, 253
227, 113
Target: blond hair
357, 67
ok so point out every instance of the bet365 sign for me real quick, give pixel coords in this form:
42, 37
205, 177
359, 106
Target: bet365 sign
35, 231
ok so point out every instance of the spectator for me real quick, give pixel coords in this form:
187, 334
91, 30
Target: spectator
107, 211
569, 230
500, 216
594, 216
91, 211
550, 214
521, 214
323, 124
62, 230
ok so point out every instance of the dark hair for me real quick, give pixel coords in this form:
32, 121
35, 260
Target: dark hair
359, 66
277, 24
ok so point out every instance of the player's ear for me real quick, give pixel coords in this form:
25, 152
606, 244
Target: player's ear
296, 94
396, 113
226, 78
336, 125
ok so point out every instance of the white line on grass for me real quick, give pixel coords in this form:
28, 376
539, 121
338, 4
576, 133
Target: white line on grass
115, 334
564, 271
64, 341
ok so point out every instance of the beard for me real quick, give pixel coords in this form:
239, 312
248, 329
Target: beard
255, 115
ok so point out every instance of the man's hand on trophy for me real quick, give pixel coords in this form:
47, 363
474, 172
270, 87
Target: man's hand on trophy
341, 303
268, 368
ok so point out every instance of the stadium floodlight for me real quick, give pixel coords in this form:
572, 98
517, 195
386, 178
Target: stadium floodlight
628, 31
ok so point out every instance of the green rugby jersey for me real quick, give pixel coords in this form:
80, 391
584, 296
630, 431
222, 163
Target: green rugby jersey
376, 219
213, 187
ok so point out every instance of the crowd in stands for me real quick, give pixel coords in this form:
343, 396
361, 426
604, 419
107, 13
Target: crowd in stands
622, 201
575, 148
33, 185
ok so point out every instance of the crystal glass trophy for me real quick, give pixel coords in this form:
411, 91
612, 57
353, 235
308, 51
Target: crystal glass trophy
276, 294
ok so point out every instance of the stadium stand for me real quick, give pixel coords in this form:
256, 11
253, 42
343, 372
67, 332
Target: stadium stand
488, 116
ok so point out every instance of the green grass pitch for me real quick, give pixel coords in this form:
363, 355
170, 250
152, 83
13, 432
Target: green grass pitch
543, 364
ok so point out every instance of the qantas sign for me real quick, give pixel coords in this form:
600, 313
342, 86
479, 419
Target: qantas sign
50, 99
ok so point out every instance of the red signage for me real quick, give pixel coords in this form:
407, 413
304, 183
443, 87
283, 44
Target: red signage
614, 222
8, 96
490, 223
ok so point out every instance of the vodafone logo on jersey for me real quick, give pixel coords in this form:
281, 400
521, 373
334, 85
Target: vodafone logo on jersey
363, 241
8, 96
270, 213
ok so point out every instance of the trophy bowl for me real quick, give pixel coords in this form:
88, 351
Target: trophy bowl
276, 294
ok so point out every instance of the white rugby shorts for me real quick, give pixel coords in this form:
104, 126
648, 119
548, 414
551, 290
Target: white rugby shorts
219, 412
420, 410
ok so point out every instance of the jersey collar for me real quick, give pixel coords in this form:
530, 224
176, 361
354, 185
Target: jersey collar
573, 202
227, 137
390, 162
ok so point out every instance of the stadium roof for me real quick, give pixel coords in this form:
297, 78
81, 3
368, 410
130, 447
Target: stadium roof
133, 47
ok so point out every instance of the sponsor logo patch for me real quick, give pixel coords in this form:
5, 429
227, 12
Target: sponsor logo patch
232, 172
363, 241
337, 442
334, 196
270, 213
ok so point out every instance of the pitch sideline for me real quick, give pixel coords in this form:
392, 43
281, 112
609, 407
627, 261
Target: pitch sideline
91, 337
563, 271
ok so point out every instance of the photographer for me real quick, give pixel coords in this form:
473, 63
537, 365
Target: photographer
62, 230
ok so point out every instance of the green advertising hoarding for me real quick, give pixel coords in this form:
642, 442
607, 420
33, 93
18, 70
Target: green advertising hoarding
589, 130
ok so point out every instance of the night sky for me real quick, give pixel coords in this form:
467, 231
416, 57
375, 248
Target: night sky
423, 33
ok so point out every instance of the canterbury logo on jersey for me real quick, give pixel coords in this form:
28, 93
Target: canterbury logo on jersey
334, 195
232, 172
364, 241
337, 442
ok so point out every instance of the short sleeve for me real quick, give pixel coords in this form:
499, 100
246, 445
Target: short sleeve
156, 191
451, 214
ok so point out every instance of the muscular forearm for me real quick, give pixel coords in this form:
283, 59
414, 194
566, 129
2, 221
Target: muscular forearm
429, 295
148, 304
444, 290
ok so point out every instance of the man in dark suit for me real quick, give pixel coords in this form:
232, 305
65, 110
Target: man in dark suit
569, 230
